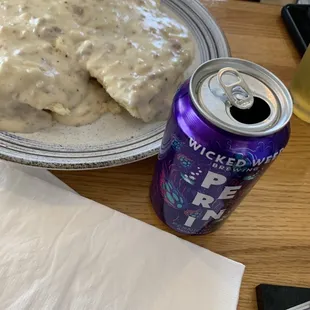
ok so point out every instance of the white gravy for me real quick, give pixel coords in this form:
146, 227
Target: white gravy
49, 49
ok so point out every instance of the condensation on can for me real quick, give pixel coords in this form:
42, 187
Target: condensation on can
209, 160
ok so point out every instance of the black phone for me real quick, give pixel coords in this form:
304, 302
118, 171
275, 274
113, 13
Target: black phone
297, 20
275, 297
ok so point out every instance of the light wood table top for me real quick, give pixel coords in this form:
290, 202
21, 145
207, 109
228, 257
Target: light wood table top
270, 231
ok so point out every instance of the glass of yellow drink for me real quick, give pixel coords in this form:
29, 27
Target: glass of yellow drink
300, 88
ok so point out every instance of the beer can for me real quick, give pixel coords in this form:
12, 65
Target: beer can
228, 123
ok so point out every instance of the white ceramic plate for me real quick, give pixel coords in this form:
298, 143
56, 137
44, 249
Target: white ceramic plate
101, 144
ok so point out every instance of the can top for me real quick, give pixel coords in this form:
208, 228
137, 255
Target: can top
241, 97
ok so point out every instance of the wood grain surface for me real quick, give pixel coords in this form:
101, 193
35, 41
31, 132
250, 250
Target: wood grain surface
270, 231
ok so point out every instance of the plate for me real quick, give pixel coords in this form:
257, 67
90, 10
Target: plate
99, 144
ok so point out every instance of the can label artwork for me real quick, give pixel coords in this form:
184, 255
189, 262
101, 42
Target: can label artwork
196, 186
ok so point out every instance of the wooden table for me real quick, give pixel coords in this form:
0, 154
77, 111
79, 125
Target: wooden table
270, 231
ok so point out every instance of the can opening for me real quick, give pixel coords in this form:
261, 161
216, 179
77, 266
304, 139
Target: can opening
259, 111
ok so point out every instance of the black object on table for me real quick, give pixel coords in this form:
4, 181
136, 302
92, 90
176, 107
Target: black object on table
297, 21
274, 297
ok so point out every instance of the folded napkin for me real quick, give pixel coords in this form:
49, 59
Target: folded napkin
59, 250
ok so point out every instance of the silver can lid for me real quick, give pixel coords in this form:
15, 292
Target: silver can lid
241, 97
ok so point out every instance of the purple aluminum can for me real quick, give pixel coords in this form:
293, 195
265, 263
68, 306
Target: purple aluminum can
228, 123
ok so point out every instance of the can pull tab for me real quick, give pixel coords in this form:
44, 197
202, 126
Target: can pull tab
238, 93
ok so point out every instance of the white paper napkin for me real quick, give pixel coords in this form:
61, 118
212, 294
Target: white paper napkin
59, 250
